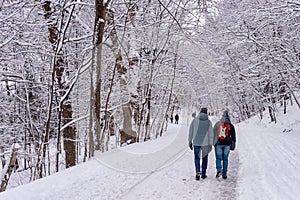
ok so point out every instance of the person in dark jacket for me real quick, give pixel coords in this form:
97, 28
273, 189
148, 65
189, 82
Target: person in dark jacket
224, 138
176, 118
201, 140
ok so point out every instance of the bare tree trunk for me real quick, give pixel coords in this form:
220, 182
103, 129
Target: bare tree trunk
10, 167
293, 94
40, 159
284, 106
127, 133
291, 91
272, 114
38, 168
140, 120
69, 133
172, 84
107, 117
99, 24
291, 100
163, 118
69, 136
91, 107
58, 142
148, 103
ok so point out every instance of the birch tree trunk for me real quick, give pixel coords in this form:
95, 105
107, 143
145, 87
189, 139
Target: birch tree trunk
127, 133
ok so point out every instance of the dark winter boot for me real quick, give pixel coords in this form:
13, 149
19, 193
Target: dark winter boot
198, 174
203, 176
218, 174
224, 177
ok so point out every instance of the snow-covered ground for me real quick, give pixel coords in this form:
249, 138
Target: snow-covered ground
265, 165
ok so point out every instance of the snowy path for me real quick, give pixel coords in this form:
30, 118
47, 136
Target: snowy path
149, 156
158, 169
178, 182
265, 165
169, 171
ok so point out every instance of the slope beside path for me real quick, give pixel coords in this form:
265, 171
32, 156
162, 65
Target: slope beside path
270, 157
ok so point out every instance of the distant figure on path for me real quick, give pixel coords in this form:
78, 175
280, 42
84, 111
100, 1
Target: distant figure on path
171, 118
201, 139
225, 138
176, 118
194, 114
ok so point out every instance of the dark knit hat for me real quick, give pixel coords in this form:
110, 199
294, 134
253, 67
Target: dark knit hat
203, 110
225, 117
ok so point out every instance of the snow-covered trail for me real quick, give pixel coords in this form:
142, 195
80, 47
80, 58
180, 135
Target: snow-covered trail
177, 181
158, 169
265, 165
150, 156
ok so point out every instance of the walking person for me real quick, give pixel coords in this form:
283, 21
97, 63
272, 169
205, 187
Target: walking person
225, 138
171, 118
194, 114
201, 139
176, 118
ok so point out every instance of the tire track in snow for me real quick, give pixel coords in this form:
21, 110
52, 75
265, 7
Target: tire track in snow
178, 149
127, 193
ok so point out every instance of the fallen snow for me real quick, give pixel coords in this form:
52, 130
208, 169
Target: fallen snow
265, 165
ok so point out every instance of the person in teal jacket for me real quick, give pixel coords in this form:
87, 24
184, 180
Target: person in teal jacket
200, 140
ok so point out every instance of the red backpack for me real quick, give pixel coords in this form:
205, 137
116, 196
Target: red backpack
223, 130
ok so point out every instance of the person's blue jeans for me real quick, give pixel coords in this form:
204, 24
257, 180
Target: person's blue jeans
197, 153
222, 154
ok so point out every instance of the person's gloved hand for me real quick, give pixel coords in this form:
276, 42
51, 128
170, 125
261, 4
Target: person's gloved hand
191, 146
